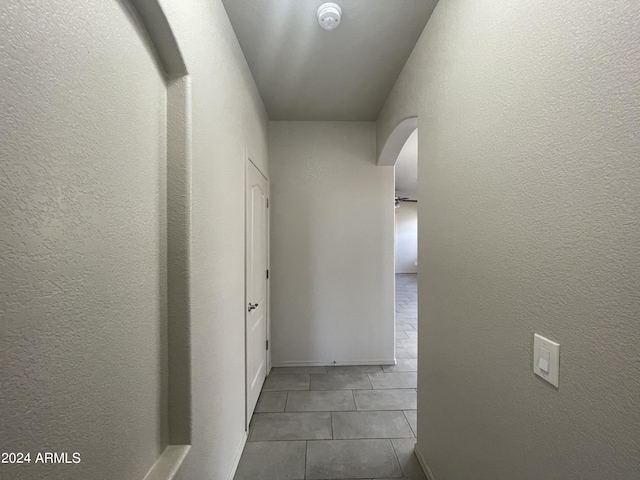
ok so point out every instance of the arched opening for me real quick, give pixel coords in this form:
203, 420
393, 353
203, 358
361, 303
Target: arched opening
396, 141
176, 361
405, 164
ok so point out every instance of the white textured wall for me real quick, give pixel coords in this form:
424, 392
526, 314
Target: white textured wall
82, 236
406, 238
227, 116
82, 240
529, 185
331, 245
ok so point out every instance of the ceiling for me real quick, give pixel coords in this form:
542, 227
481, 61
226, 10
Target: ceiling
306, 73
407, 168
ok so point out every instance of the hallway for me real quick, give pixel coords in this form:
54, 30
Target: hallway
340, 422
209, 242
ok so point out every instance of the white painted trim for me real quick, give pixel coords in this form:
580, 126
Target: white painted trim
423, 463
167, 466
245, 162
395, 246
236, 459
268, 226
329, 363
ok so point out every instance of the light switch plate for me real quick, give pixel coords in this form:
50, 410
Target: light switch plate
553, 376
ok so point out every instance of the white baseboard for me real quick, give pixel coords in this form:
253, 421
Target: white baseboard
236, 459
167, 466
423, 463
331, 363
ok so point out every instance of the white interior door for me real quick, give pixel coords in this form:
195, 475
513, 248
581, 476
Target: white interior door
256, 288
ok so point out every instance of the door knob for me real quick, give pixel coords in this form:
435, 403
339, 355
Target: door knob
253, 306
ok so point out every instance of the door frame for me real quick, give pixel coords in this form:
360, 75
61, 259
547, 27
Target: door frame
248, 163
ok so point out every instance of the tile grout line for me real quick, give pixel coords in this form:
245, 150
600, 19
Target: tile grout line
397, 459
306, 449
331, 422
404, 412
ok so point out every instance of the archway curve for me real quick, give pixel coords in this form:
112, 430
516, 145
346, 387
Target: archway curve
396, 140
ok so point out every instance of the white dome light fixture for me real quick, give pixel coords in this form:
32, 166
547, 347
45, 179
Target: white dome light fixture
329, 15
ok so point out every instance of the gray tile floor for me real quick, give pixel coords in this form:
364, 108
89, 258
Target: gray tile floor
323, 423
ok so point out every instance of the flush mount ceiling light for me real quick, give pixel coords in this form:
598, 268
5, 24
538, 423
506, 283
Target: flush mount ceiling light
329, 15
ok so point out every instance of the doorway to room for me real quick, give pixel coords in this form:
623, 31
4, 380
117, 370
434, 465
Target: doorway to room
257, 328
406, 254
